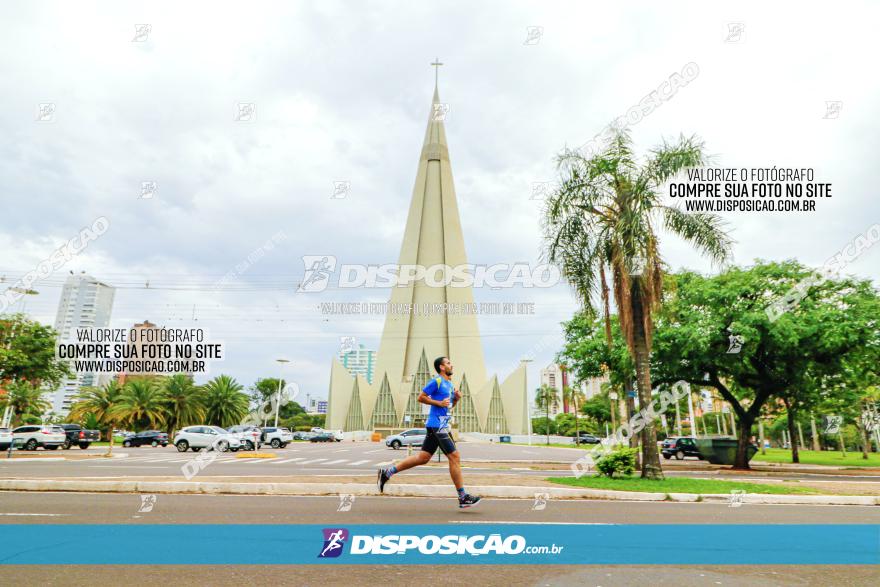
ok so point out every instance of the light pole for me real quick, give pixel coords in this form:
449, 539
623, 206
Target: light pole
525, 363
278, 395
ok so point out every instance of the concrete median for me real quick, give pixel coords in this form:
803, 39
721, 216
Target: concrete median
406, 490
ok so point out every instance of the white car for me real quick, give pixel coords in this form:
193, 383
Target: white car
33, 436
199, 437
249, 436
277, 437
5, 438
337, 434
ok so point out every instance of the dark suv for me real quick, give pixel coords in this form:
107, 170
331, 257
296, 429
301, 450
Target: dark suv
680, 447
151, 437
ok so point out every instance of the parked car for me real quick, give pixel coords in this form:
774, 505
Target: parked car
680, 447
317, 430
586, 438
77, 435
324, 437
299, 435
199, 437
414, 436
249, 435
33, 436
5, 438
276, 437
152, 437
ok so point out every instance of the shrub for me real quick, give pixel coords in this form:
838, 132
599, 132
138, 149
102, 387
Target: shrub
622, 461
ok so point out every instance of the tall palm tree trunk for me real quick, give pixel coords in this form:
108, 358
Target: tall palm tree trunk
792, 432
650, 460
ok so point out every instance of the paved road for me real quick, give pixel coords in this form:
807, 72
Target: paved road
335, 459
65, 508
298, 458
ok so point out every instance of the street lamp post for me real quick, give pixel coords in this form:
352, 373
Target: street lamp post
278, 394
525, 363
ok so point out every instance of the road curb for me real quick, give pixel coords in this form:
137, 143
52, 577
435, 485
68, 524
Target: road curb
406, 490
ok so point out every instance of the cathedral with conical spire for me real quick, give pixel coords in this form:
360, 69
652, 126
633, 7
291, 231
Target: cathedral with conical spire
412, 340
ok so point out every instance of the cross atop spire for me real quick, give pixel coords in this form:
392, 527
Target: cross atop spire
436, 65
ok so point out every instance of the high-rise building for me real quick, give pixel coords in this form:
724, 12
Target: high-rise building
554, 376
412, 339
359, 361
139, 346
85, 303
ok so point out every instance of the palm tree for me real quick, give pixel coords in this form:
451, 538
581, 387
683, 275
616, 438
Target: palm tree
225, 403
26, 398
98, 403
141, 403
604, 215
547, 396
184, 402
575, 397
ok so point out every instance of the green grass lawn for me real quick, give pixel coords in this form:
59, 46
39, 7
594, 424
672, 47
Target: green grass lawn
681, 485
812, 457
539, 444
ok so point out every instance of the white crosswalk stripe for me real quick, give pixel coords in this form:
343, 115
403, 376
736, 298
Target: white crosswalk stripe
336, 462
313, 461
290, 460
360, 462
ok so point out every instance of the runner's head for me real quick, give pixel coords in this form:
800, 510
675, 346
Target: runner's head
443, 366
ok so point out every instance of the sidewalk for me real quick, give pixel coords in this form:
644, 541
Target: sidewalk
487, 485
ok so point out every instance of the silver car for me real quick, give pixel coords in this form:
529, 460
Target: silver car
414, 436
32, 436
210, 437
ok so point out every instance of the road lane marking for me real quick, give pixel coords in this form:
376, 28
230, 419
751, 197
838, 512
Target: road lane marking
290, 460
360, 462
49, 515
336, 462
313, 461
125, 467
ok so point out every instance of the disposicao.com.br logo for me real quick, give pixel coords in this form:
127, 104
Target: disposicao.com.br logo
451, 544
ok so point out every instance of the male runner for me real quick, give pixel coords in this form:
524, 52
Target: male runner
441, 396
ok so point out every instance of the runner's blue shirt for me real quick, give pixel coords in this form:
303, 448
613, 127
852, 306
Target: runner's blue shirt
439, 416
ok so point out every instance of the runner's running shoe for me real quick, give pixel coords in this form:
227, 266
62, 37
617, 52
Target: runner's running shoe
382, 479
468, 500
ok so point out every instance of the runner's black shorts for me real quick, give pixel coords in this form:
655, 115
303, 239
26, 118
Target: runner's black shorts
436, 437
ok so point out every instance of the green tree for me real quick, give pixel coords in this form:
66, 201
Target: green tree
26, 399
776, 358
27, 352
575, 397
98, 404
141, 404
184, 402
545, 398
225, 402
603, 216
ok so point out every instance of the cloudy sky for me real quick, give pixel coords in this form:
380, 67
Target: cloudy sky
342, 94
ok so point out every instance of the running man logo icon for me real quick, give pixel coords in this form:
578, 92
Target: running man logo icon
147, 503
736, 498
346, 500
832, 424
334, 540
736, 344
318, 269
540, 501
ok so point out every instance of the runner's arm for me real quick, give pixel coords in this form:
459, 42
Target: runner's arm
424, 398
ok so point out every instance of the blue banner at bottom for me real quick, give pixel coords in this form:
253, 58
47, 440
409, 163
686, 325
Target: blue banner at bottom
556, 544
